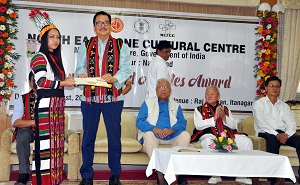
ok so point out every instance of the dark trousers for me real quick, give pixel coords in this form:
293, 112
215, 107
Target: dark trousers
25, 136
273, 144
112, 119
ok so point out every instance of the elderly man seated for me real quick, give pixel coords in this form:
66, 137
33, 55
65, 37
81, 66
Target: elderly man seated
161, 121
211, 120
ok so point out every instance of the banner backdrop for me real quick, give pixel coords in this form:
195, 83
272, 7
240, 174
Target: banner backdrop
205, 52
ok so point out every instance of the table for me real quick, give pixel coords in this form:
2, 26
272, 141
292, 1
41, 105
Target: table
238, 163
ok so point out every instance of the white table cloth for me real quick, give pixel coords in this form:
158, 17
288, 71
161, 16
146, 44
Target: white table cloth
239, 163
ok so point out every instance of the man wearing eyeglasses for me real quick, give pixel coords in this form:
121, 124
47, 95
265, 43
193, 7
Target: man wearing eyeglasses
158, 67
161, 121
274, 121
106, 57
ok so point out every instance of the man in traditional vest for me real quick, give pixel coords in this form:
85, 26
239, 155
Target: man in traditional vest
106, 57
23, 121
161, 121
211, 120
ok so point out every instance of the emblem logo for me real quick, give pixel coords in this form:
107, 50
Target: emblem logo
167, 27
141, 26
117, 25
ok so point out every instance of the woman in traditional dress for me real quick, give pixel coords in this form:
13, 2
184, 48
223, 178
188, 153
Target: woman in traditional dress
50, 78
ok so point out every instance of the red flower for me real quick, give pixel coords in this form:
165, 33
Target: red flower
267, 70
260, 47
31, 14
1, 34
1, 51
269, 19
34, 12
264, 68
46, 14
263, 33
273, 65
1, 62
3, 9
258, 91
275, 22
270, 47
272, 73
261, 22
261, 40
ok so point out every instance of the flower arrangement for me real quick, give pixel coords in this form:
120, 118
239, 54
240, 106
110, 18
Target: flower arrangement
266, 52
223, 143
8, 31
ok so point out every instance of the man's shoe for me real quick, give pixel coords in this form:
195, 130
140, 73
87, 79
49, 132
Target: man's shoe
114, 180
23, 179
214, 180
244, 180
181, 181
86, 181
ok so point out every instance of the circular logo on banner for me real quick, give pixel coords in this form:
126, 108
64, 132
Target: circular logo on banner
117, 25
141, 26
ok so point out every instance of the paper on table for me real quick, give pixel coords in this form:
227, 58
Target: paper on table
96, 81
185, 149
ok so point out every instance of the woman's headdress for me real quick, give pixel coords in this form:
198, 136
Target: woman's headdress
41, 20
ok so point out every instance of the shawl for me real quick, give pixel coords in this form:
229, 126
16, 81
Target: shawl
28, 102
207, 111
110, 64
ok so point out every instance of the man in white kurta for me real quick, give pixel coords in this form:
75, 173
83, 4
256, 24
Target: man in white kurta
158, 68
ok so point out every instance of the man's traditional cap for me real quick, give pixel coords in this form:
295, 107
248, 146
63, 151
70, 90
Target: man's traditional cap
41, 20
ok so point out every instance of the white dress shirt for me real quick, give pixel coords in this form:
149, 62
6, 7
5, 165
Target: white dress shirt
269, 118
157, 69
18, 111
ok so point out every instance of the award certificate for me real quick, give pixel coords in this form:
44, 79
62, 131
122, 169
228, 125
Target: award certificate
95, 81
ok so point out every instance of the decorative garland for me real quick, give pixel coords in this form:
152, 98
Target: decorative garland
266, 52
8, 32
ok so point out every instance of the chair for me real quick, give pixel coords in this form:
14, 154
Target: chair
296, 112
9, 155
